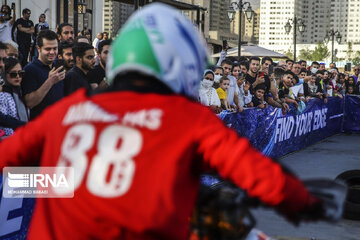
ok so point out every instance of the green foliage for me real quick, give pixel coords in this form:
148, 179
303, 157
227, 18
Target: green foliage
320, 53
306, 54
289, 53
356, 58
349, 51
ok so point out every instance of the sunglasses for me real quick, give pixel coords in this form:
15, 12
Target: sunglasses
15, 74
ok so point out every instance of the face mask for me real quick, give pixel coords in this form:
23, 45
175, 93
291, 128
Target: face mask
301, 80
314, 70
217, 78
206, 83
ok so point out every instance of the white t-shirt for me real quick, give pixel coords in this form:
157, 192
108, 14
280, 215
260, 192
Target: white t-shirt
5, 31
232, 89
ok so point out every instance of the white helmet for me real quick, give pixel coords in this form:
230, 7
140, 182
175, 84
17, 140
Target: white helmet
159, 41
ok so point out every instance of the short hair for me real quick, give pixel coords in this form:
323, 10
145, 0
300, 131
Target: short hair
7, 7
254, 59
303, 70
80, 37
289, 60
218, 67
302, 61
47, 34
25, 10
103, 43
260, 86
245, 64
226, 61
320, 72
3, 46
61, 26
222, 79
80, 48
264, 59
315, 63
64, 45
291, 73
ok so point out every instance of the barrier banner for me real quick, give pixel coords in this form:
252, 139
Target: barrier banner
276, 134
15, 216
352, 114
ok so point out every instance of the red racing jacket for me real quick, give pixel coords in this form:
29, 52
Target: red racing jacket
137, 159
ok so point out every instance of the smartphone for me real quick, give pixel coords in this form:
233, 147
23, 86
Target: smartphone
225, 44
59, 63
271, 69
261, 74
13, 6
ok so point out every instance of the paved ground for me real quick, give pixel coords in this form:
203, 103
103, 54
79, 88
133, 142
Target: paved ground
327, 159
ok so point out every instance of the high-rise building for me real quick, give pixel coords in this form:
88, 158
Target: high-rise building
251, 29
115, 15
274, 14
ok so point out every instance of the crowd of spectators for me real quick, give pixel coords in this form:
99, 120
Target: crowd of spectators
39, 67
254, 82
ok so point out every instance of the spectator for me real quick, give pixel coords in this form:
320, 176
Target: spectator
322, 67
105, 36
97, 40
11, 100
25, 29
332, 65
253, 74
6, 120
232, 91
296, 68
207, 94
258, 97
65, 55
88, 36
244, 67
219, 73
303, 64
82, 39
350, 83
76, 78
65, 32
244, 94
285, 94
282, 64
97, 75
312, 89
6, 22
12, 49
222, 93
357, 88
350, 89
42, 25
42, 84
314, 67
289, 64
356, 72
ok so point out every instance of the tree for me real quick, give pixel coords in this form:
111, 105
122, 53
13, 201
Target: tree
306, 54
356, 58
349, 52
289, 54
320, 53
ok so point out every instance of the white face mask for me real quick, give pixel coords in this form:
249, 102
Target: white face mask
206, 83
314, 70
217, 78
301, 80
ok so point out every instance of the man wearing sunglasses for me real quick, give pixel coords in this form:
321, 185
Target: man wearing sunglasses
25, 29
6, 23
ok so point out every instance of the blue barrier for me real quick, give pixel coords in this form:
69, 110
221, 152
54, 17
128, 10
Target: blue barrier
276, 134
269, 130
352, 114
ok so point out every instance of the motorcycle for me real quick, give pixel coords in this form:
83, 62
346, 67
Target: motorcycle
222, 209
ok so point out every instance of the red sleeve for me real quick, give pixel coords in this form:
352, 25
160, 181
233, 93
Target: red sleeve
24, 147
235, 159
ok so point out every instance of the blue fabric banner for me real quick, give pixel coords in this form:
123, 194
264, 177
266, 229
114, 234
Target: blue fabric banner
352, 114
276, 134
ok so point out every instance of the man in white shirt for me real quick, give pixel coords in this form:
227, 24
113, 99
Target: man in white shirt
6, 22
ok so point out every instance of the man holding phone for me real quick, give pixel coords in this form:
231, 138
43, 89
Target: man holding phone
42, 83
6, 23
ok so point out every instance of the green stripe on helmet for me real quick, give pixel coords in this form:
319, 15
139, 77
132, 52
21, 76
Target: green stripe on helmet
133, 46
